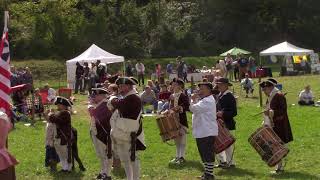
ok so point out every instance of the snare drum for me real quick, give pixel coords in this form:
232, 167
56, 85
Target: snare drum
169, 126
224, 138
269, 146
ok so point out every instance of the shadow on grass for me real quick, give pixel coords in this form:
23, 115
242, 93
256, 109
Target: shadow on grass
188, 164
235, 172
119, 173
73, 175
294, 175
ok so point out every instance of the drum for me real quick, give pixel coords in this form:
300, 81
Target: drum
169, 125
224, 138
269, 146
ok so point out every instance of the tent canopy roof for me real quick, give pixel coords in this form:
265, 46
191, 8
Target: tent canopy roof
284, 49
96, 53
235, 51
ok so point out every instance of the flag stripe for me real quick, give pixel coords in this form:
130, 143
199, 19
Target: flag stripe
5, 85
5, 73
5, 80
4, 96
5, 88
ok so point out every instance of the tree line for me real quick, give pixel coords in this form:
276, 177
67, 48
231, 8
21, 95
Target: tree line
157, 28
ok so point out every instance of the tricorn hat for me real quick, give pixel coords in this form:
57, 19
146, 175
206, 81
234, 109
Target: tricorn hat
63, 101
208, 84
127, 80
223, 80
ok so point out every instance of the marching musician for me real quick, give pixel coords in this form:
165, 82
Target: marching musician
100, 131
126, 126
227, 110
180, 104
63, 141
276, 115
204, 126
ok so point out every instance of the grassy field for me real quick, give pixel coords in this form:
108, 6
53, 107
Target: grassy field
27, 143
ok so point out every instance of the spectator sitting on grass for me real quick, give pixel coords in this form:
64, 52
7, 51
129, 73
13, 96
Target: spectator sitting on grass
247, 84
164, 95
306, 97
149, 97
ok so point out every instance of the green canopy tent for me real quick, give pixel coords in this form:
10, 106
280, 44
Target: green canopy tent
235, 51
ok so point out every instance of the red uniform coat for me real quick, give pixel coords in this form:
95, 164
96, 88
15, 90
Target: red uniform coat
102, 117
62, 119
280, 118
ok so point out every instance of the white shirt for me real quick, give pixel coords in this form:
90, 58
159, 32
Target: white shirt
204, 118
140, 68
51, 94
306, 96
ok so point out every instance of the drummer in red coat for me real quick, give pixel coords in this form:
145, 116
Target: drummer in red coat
63, 138
276, 115
180, 104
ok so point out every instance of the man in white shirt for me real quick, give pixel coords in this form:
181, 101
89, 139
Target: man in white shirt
306, 97
140, 72
204, 126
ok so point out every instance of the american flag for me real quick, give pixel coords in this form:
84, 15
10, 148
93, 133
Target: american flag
5, 85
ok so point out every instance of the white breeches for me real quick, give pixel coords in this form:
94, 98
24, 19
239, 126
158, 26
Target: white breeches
62, 152
101, 151
132, 168
181, 145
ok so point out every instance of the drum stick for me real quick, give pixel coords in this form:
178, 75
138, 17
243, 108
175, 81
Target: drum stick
259, 113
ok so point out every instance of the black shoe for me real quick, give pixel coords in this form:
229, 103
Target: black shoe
222, 165
107, 178
277, 171
207, 177
99, 176
232, 166
173, 161
180, 161
64, 171
82, 168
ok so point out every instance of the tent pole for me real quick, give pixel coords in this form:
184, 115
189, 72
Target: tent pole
260, 91
124, 68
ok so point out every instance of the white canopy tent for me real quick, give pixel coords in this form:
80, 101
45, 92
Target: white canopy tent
285, 49
93, 53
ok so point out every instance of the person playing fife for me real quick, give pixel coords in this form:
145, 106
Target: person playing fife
204, 126
100, 131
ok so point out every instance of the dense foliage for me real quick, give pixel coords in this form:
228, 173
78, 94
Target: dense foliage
157, 28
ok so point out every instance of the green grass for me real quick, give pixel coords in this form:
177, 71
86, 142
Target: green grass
27, 144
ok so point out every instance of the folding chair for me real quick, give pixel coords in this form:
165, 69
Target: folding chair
65, 92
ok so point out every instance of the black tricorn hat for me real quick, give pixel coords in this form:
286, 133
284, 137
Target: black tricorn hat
268, 83
208, 84
63, 101
127, 80
180, 82
223, 80
99, 90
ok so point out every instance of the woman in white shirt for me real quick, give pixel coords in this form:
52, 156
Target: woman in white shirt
204, 126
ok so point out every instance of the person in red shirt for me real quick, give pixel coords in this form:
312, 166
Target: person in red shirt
164, 95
